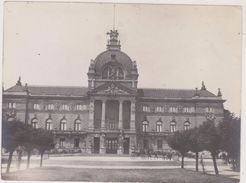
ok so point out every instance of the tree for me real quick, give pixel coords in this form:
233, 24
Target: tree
210, 139
29, 140
179, 141
230, 133
195, 146
44, 142
11, 135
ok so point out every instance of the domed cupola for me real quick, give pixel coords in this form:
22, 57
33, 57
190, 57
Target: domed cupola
112, 64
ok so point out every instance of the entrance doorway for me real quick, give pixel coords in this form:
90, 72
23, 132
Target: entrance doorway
111, 145
126, 144
96, 144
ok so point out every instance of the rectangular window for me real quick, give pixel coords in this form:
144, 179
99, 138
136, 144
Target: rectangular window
36, 107
80, 107
209, 110
173, 109
159, 144
146, 108
62, 142
50, 107
159, 109
64, 107
76, 142
12, 105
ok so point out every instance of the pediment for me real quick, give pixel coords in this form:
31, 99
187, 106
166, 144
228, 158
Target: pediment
112, 88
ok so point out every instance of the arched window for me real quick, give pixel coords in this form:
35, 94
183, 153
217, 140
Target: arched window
159, 126
145, 126
113, 72
77, 125
186, 125
48, 124
63, 125
173, 126
34, 123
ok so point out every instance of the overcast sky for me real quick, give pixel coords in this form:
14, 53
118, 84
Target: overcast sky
175, 46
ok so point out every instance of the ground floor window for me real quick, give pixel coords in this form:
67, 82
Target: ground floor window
62, 142
145, 144
159, 144
76, 142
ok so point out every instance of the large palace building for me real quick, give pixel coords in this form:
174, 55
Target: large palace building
111, 115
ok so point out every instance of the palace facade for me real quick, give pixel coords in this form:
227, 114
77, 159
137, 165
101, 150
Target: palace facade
111, 115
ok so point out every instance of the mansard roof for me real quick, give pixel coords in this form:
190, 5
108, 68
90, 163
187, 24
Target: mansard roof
51, 90
173, 93
82, 91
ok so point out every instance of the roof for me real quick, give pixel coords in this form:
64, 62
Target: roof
51, 90
172, 93
82, 91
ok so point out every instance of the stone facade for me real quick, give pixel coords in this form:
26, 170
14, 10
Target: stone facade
111, 115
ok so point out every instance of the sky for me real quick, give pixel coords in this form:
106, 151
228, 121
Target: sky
175, 46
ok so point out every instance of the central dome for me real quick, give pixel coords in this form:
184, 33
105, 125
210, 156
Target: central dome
113, 63
113, 56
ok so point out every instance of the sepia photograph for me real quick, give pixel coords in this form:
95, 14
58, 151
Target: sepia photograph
121, 92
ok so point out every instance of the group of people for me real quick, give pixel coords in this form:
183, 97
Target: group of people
165, 155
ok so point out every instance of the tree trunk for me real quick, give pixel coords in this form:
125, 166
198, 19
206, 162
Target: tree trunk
28, 158
197, 154
9, 161
182, 162
19, 159
215, 164
41, 159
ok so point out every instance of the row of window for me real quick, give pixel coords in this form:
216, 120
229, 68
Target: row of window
175, 109
63, 107
63, 124
145, 126
115, 144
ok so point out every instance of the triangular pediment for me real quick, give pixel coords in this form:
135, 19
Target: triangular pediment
112, 88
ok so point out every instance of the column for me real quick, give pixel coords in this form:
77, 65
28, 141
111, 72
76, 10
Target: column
91, 115
132, 123
89, 145
120, 114
102, 144
103, 114
133, 143
120, 144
